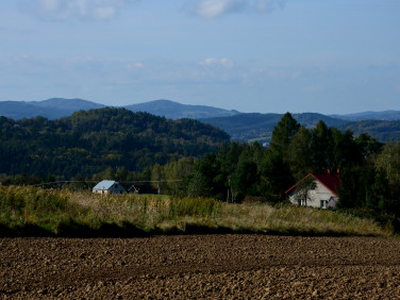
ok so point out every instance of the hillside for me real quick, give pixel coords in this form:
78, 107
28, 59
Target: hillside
90, 141
387, 115
174, 110
253, 126
383, 131
56, 108
382, 125
52, 109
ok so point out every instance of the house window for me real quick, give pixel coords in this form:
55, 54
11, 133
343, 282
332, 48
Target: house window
324, 203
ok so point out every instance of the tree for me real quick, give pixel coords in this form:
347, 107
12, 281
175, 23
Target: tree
368, 146
346, 152
245, 180
275, 178
389, 161
303, 189
355, 186
300, 154
207, 175
157, 178
121, 174
321, 144
176, 171
282, 135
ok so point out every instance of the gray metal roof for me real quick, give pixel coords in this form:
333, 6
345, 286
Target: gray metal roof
104, 185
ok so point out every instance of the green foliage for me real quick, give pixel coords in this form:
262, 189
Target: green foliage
300, 158
282, 135
89, 142
245, 179
321, 143
389, 161
276, 178
119, 145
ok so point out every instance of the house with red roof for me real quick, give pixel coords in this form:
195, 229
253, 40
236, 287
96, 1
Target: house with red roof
323, 194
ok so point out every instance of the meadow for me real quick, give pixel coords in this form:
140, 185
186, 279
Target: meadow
33, 211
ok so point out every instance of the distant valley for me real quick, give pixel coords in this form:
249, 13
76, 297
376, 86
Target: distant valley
383, 125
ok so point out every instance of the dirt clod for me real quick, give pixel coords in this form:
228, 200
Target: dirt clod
200, 267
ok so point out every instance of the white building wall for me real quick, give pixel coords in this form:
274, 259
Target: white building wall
315, 196
114, 189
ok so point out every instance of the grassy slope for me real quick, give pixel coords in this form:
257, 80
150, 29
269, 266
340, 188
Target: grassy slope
33, 211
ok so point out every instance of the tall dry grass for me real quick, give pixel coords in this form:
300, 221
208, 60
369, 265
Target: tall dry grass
66, 212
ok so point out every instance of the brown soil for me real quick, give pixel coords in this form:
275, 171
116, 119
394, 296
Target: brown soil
200, 267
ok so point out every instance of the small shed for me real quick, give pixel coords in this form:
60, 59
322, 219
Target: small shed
108, 187
325, 193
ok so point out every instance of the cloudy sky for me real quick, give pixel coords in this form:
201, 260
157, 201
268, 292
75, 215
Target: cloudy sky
330, 56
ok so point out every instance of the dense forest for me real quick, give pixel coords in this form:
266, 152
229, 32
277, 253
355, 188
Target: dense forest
89, 142
369, 170
198, 160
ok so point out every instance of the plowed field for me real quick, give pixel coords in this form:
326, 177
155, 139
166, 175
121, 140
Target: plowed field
201, 267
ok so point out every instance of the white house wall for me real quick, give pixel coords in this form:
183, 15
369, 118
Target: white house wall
315, 196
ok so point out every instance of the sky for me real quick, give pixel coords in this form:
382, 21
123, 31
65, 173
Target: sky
266, 56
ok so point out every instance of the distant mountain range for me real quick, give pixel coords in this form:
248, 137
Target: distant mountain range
175, 110
56, 108
387, 115
382, 125
52, 109
259, 127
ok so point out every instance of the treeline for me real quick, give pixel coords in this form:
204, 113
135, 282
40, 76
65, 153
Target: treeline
89, 142
169, 157
369, 170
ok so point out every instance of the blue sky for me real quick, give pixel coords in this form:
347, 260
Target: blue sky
330, 56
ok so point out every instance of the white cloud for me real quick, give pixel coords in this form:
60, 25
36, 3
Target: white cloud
59, 10
215, 8
134, 66
217, 61
269, 5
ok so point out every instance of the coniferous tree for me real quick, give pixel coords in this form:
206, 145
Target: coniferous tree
321, 144
300, 154
275, 178
282, 135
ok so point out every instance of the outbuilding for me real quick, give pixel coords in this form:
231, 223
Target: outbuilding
323, 193
108, 187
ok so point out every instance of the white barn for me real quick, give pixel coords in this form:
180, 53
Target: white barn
324, 195
108, 187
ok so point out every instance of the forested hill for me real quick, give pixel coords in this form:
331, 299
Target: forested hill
256, 126
90, 141
174, 110
383, 131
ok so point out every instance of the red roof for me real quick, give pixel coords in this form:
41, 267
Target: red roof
330, 181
